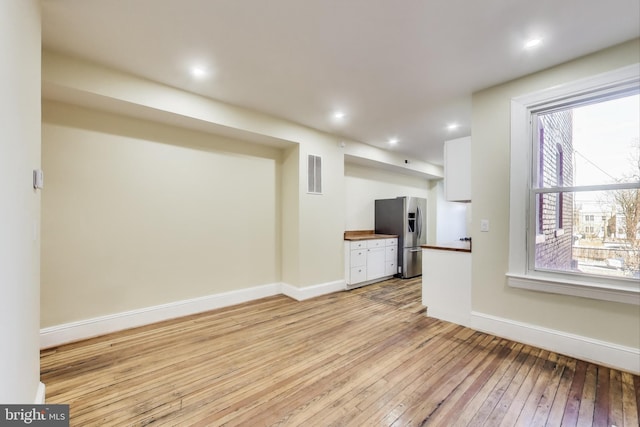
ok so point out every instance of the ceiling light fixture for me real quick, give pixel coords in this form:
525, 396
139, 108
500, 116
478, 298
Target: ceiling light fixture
453, 126
393, 141
530, 44
198, 72
339, 115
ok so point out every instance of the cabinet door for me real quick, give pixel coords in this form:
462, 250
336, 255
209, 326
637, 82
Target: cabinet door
457, 170
375, 263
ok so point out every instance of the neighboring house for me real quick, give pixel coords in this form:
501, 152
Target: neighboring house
591, 219
555, 210
599, 221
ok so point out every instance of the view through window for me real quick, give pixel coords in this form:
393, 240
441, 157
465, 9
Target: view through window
586, 188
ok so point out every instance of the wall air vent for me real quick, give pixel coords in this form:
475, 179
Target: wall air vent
314, 174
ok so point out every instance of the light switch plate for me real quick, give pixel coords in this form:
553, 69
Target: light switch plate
484, 225
38, 179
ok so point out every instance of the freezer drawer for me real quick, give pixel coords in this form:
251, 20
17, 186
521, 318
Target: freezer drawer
412, 262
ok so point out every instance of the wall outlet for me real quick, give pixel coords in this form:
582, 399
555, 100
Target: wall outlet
484, 225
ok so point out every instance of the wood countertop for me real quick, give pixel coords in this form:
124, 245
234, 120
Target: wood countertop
366, 235
457, 246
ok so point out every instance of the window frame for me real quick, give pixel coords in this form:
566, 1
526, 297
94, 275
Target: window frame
523, 218
539, 199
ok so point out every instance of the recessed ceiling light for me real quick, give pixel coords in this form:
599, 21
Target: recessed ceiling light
530, 44
453, 126
338, 117
393, 141
198, 72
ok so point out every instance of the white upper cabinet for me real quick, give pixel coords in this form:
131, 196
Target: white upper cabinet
457, 169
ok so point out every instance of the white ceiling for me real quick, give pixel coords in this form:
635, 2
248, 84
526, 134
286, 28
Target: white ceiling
403, 68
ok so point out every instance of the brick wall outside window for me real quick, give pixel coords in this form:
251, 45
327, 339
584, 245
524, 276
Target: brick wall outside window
556, 250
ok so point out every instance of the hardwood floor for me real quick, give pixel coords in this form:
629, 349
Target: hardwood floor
367, 357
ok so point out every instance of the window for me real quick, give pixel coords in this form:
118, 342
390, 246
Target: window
580, 143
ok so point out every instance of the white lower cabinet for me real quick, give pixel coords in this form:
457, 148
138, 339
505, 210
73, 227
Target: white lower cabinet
357, 263
446, 285
370, 261
391, 257
375, 263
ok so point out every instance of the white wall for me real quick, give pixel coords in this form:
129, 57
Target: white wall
19, 202
138, 214
596, 320
321, 217
452, 217
363, 185
290, 214
316, 235
446, 221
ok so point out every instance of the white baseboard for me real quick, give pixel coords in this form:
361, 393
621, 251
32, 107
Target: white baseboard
300, 294
83, 329
580, 347
89, 328
448, 316
40, 393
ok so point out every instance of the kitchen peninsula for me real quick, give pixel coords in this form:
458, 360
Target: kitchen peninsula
446, 281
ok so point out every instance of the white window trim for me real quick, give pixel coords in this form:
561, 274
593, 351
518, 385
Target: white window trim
518, 275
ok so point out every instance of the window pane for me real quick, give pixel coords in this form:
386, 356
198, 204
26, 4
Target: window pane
589, 145
599, 234
555, 142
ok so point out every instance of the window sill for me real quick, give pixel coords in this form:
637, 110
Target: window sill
599, 291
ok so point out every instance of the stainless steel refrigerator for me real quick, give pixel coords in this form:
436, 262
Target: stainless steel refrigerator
406, 217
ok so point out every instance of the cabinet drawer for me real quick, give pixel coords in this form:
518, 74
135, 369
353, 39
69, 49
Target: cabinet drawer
375, 243
390, 268
391, 242
358, 258
391, 253
357, 244
358, 274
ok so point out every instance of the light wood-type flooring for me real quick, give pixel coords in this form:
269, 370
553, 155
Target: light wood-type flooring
367, 357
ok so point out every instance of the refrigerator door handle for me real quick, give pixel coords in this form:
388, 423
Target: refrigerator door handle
419, 220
